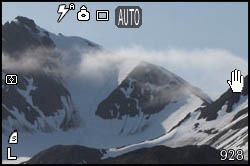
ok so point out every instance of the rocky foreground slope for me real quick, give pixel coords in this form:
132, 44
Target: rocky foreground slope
74, 154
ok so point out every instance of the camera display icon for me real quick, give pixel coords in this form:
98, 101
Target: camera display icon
11, 79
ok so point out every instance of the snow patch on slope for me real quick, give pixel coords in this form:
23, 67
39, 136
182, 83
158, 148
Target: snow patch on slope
17, 161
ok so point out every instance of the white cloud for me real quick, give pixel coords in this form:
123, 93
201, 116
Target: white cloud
208, 69
29, 60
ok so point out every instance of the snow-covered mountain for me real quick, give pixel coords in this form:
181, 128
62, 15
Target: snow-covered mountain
151, 106
222, 124
40, 101
149, 98
227, 123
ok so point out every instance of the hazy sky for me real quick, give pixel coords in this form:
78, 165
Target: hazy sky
206, 34
165, 25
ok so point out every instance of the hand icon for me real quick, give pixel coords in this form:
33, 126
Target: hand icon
237, 81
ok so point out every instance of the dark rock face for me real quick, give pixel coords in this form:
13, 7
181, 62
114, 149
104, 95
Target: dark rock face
21, 36
47, 97
210, 112
185, 118
164, 155
147, 89
67, 154
74, 154
240, 113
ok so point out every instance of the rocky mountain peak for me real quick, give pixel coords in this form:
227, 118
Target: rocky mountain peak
148, 73
27, 22
148, 89
21, 34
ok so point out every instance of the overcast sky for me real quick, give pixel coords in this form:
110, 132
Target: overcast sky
193, 31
